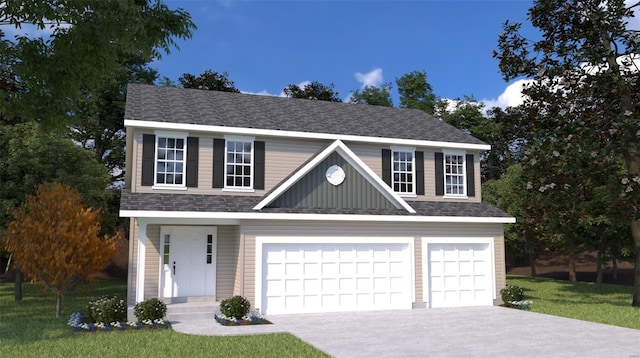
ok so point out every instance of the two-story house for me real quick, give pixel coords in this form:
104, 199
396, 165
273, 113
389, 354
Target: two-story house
304, 206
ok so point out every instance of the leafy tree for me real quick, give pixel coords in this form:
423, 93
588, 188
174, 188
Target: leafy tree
31, 155
583, 101
314, 90
416, 92
376, 96
87, 39
498, 127
97, 123
209, 80
56, 240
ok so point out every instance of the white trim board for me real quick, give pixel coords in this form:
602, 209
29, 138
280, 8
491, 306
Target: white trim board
294, 134
311, 217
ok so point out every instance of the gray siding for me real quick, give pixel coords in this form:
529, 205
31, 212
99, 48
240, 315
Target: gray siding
314, 191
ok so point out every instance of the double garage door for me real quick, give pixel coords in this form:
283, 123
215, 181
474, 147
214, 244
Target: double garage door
335, 277
329, 277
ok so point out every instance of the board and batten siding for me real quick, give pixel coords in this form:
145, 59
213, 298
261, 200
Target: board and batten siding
314, 191
253, 229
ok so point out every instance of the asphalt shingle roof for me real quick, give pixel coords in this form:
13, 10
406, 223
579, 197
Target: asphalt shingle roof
203, 107
245, 204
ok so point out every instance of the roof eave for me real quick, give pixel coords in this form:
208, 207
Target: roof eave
134, 123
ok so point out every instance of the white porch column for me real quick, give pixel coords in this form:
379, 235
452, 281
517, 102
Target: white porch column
142, 242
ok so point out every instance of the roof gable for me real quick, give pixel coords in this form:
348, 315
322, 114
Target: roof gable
235, 110
313, 191
309, 174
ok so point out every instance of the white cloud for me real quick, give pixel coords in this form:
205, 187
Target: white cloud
373, 78
511, 97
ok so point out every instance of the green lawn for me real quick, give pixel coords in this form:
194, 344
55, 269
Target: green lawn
579, 300
29, 329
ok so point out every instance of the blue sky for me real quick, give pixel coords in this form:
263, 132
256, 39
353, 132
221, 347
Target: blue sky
266, 45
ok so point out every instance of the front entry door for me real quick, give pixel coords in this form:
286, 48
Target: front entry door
188, 260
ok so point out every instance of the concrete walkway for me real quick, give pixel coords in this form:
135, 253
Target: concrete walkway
444, 332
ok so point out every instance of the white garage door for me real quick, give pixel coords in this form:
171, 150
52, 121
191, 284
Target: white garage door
460, 275
335, 277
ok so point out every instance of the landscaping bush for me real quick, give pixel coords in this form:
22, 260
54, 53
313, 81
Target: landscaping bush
235, 307
151, 309
510, 294
107, 309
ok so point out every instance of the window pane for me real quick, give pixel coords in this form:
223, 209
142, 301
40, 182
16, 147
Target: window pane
162, 142
230, 169
247, 147
179, 155
171, 143
180, 143
230, 157
178, 179
160, 178
247, 159
161, 154
247, 170
238, 181
247, 181
209, 239
179, 168
169, 179
208, 259
229, 181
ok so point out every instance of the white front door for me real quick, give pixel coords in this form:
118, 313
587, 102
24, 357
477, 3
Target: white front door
459, 275
188, 260
333, 277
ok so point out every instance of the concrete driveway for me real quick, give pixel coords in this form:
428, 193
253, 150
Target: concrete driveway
444, 332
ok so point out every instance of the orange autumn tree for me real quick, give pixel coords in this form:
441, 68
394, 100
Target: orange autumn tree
56, 240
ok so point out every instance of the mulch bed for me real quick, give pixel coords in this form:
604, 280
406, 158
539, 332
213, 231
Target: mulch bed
241, 322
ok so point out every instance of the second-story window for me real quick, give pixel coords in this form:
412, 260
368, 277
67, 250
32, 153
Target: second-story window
170, 160
403, 171
454, 174
239, 165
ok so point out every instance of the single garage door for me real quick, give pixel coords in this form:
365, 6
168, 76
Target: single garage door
460, 275
301, 278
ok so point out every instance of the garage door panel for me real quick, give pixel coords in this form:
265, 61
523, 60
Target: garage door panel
335, 277
459, 275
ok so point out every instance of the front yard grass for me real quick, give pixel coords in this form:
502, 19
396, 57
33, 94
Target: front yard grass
580, 301
29, 329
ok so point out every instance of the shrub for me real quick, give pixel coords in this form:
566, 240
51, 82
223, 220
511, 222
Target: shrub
510, 294
107, 309
151, 309
235, 307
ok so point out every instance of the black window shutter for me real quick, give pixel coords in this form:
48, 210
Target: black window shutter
218, 163
439, 158
471, 184
258, 165
419, 173
386, 166
192, 162
148, 159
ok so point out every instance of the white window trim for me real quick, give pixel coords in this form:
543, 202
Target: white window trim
230, 138
412, 150
175, 135
464, 173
